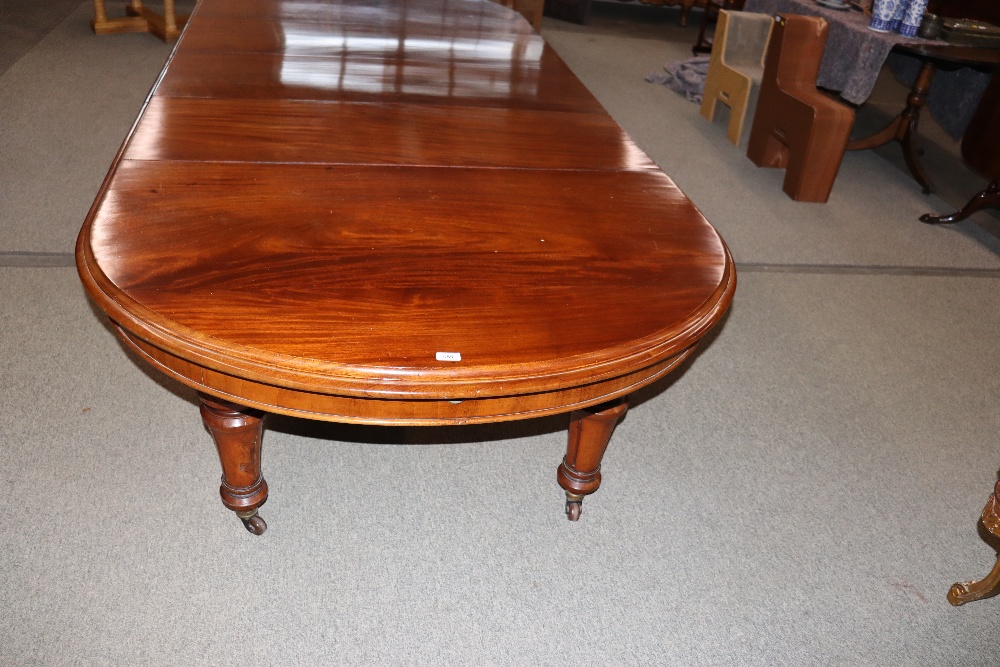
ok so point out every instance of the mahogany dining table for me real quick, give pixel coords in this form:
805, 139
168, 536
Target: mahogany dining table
404, 212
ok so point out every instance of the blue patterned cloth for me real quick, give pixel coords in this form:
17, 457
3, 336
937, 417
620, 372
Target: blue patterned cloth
686, 77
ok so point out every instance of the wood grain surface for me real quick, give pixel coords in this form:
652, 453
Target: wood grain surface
320, 197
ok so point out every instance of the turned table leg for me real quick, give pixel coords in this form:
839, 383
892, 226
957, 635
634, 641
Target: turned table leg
170, 20
903, 128
238, 432
589, 433
989, 585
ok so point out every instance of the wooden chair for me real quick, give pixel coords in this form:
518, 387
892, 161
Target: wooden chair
711, 15
981, 151
796, 127
139, 19
736, 66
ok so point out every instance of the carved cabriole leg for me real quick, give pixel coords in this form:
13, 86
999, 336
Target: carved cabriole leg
988, 198
589, 433
969, 591
238, 433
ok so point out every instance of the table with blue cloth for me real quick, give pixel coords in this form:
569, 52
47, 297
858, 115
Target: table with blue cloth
854, 55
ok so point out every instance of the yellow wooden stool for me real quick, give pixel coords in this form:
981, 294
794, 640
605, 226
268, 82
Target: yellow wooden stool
140, 19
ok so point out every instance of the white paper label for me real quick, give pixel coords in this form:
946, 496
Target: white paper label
448, 356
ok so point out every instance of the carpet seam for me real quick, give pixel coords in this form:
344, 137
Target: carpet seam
30, 259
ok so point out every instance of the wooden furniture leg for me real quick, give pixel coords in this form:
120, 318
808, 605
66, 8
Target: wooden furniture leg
140, 19
703, 44
238, 432
988, 198
903, 128
167, 30
102, 25
989, 586
590, 431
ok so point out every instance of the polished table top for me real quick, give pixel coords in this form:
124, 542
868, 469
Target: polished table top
319, 198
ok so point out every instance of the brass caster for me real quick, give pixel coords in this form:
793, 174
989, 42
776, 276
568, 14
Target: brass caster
253, 522
574, 506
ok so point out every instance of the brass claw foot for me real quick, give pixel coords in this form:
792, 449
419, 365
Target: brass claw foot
988, 586
253, 522
574, 506
969, 591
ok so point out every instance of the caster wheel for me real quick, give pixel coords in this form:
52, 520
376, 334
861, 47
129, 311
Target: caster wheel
573, 509
255, 524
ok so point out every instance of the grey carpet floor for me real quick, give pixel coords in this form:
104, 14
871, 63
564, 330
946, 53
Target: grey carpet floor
65, 107
23, 24
801, 493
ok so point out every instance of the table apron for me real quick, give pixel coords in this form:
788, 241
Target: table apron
395, 412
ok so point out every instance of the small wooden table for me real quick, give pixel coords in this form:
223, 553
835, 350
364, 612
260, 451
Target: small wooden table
408, 213
854, 56
903, 128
